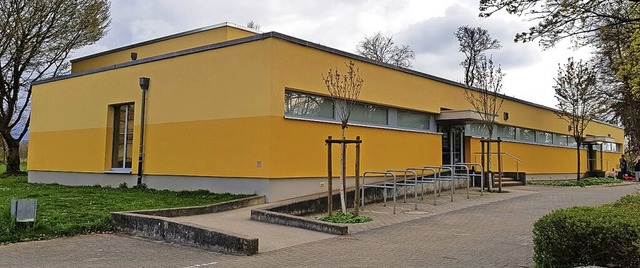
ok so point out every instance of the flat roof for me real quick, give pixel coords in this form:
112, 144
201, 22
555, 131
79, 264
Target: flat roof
168, 37
262, 36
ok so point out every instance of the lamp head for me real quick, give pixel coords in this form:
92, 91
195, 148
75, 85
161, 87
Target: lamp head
144, 83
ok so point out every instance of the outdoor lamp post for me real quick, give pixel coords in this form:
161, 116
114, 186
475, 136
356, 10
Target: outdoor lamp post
144, 85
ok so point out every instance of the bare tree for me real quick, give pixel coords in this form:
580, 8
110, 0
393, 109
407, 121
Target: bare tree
253, 25
345, 90
557, 20
485, 98
473, 43
37, 37
382, 49
578, 99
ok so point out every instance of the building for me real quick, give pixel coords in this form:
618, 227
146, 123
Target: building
230, 109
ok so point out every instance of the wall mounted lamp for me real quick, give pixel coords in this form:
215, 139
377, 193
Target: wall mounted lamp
144, 83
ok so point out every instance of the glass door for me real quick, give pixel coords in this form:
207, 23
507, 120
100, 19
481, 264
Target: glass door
452, 144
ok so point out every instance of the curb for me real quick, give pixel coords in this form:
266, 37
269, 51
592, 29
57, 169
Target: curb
264, 215
158, 225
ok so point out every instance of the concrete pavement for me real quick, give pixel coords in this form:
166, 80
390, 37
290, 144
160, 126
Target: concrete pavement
489, 231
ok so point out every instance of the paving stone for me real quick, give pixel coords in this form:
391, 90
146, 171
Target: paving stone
484, 231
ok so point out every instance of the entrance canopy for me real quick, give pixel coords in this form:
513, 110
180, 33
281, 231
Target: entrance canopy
598, 139
465, 116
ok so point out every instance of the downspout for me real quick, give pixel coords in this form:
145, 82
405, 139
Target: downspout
144, 85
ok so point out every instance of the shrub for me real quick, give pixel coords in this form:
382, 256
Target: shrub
582, 183
608, 236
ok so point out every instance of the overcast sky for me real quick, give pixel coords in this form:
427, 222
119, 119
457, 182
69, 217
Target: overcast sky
426, 26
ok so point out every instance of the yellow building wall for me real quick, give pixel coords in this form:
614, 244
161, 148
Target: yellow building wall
197, 39
196, 107
535, 159
396, 89
299, 150
300, 68
220, 112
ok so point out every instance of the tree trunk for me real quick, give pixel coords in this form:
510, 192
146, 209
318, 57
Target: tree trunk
578, 153
13, 157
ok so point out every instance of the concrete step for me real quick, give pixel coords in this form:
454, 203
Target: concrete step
507, 182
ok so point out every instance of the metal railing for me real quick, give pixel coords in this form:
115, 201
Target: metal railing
440, 179
473, 175
409, 178
456, 175
608, 162
392, 179
518, 161
387, 184
425, 179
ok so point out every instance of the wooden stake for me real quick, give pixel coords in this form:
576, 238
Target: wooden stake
330, 181
357, 174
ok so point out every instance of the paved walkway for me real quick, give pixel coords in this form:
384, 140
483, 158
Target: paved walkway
273, 237
489, 231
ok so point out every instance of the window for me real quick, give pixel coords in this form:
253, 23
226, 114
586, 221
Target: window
572, 142
527, 135
122, 136
560, 139
544, 137
411, 119
478, 130
305, 105
506, 132
367, 113
610, 147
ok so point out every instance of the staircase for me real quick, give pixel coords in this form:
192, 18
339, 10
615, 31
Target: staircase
507, 182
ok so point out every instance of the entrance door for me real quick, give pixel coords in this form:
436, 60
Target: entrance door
452, 144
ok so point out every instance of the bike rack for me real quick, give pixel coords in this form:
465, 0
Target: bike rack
424, 179
407, 182
481, 175
384, 186
440, 179
460, 176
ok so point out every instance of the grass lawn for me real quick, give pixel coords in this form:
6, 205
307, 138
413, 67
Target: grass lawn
582, 183
71, 210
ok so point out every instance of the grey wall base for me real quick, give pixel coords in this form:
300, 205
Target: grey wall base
156, 225
554, 177
275, 189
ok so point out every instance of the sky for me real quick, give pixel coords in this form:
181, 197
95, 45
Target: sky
427, 26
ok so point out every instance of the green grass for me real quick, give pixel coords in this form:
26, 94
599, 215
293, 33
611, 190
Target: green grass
3, 168
349, 217
71, 210
582, 183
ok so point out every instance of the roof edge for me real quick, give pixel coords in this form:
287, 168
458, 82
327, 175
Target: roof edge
168, 37
288, 38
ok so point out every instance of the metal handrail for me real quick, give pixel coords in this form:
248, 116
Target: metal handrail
603, 159
518, 161
505, 153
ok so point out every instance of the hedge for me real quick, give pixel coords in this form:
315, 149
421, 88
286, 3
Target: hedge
608, 236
